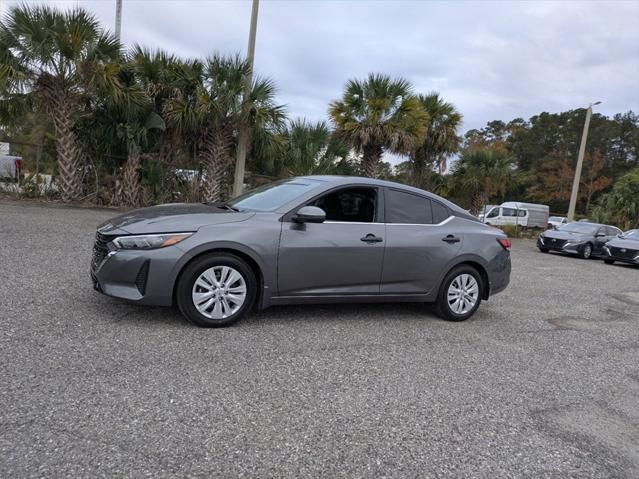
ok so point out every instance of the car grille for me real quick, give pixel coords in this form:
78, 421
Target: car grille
554, 242
100, 250
626, 254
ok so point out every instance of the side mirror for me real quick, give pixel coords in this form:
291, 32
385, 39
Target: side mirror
600, 235
309, 214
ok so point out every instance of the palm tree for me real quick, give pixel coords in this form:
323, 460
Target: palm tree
439, 142
481, 174
378, 114
310, 149
217, 110
61, 58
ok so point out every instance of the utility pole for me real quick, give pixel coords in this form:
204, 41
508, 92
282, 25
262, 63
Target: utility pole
580, 162
118, 18
244, 134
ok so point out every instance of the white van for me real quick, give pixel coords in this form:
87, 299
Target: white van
528, 215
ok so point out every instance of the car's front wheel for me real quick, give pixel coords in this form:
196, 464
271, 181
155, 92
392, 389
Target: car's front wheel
216, 290
460, 293
586, 251
543, 250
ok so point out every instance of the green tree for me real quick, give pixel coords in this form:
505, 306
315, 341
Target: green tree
376, 115
60, 59
621, 205
481, 174
310, 149
439, 142
217, 109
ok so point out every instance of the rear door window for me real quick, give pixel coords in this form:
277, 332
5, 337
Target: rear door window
408, 208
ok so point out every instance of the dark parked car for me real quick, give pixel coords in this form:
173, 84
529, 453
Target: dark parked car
624, 248
303, 240
579, 238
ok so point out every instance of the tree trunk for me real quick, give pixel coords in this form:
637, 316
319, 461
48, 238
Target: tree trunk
130, 178
69, 182
371, 160
479, 200
215, 158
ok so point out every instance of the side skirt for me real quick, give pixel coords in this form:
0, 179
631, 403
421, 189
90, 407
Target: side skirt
352, 298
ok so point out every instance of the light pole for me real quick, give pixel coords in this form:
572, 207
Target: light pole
243, 138
580, 162
118, 18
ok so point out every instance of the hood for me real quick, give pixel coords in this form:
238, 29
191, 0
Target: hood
630, 244
565, 235
170, 218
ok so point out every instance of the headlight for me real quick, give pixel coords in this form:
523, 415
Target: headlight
149, 241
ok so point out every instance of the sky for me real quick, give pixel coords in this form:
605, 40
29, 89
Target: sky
492, 60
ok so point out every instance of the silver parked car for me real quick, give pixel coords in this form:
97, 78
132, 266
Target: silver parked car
302, 240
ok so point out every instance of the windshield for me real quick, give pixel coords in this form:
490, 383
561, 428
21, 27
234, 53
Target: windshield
483, 209
272, 196
632, 234
558, 219
582, 228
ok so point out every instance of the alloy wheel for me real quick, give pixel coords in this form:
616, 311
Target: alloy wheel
219, 292
463, 293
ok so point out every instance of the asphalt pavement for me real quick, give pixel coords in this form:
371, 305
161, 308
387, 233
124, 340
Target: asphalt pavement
542, 382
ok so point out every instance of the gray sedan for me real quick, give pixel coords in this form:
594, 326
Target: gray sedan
310, 239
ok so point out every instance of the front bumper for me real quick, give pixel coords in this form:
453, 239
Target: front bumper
143, 276
607, 254
563, 247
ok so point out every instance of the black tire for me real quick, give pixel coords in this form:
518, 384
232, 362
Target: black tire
193, 271
543, 250
443, 307
609, 261
586, 251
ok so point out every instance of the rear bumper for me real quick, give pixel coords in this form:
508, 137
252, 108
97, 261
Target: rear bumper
499, 273
144, 277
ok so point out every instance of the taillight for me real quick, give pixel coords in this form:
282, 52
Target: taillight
505, 242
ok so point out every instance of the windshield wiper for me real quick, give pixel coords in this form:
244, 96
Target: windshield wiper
226, 206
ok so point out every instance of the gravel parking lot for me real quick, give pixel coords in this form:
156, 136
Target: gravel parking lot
543, 381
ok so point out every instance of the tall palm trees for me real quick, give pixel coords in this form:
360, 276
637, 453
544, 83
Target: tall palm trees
62, 58
217, 109
439, 141
378, 114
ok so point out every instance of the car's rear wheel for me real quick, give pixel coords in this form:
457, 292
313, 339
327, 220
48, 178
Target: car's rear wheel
460, 293
586, 251
216, 290
609, 261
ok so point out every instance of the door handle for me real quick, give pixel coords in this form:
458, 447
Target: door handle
451, 239
371, 238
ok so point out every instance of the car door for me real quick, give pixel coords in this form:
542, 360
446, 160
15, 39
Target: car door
341, 256
493, 216
418, 246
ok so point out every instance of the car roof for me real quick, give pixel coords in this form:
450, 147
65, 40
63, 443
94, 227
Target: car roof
593, 224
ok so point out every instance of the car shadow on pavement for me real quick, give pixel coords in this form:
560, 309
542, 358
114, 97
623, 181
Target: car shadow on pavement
370, 312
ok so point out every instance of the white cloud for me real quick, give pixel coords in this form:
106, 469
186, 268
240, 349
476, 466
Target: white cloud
494, 60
